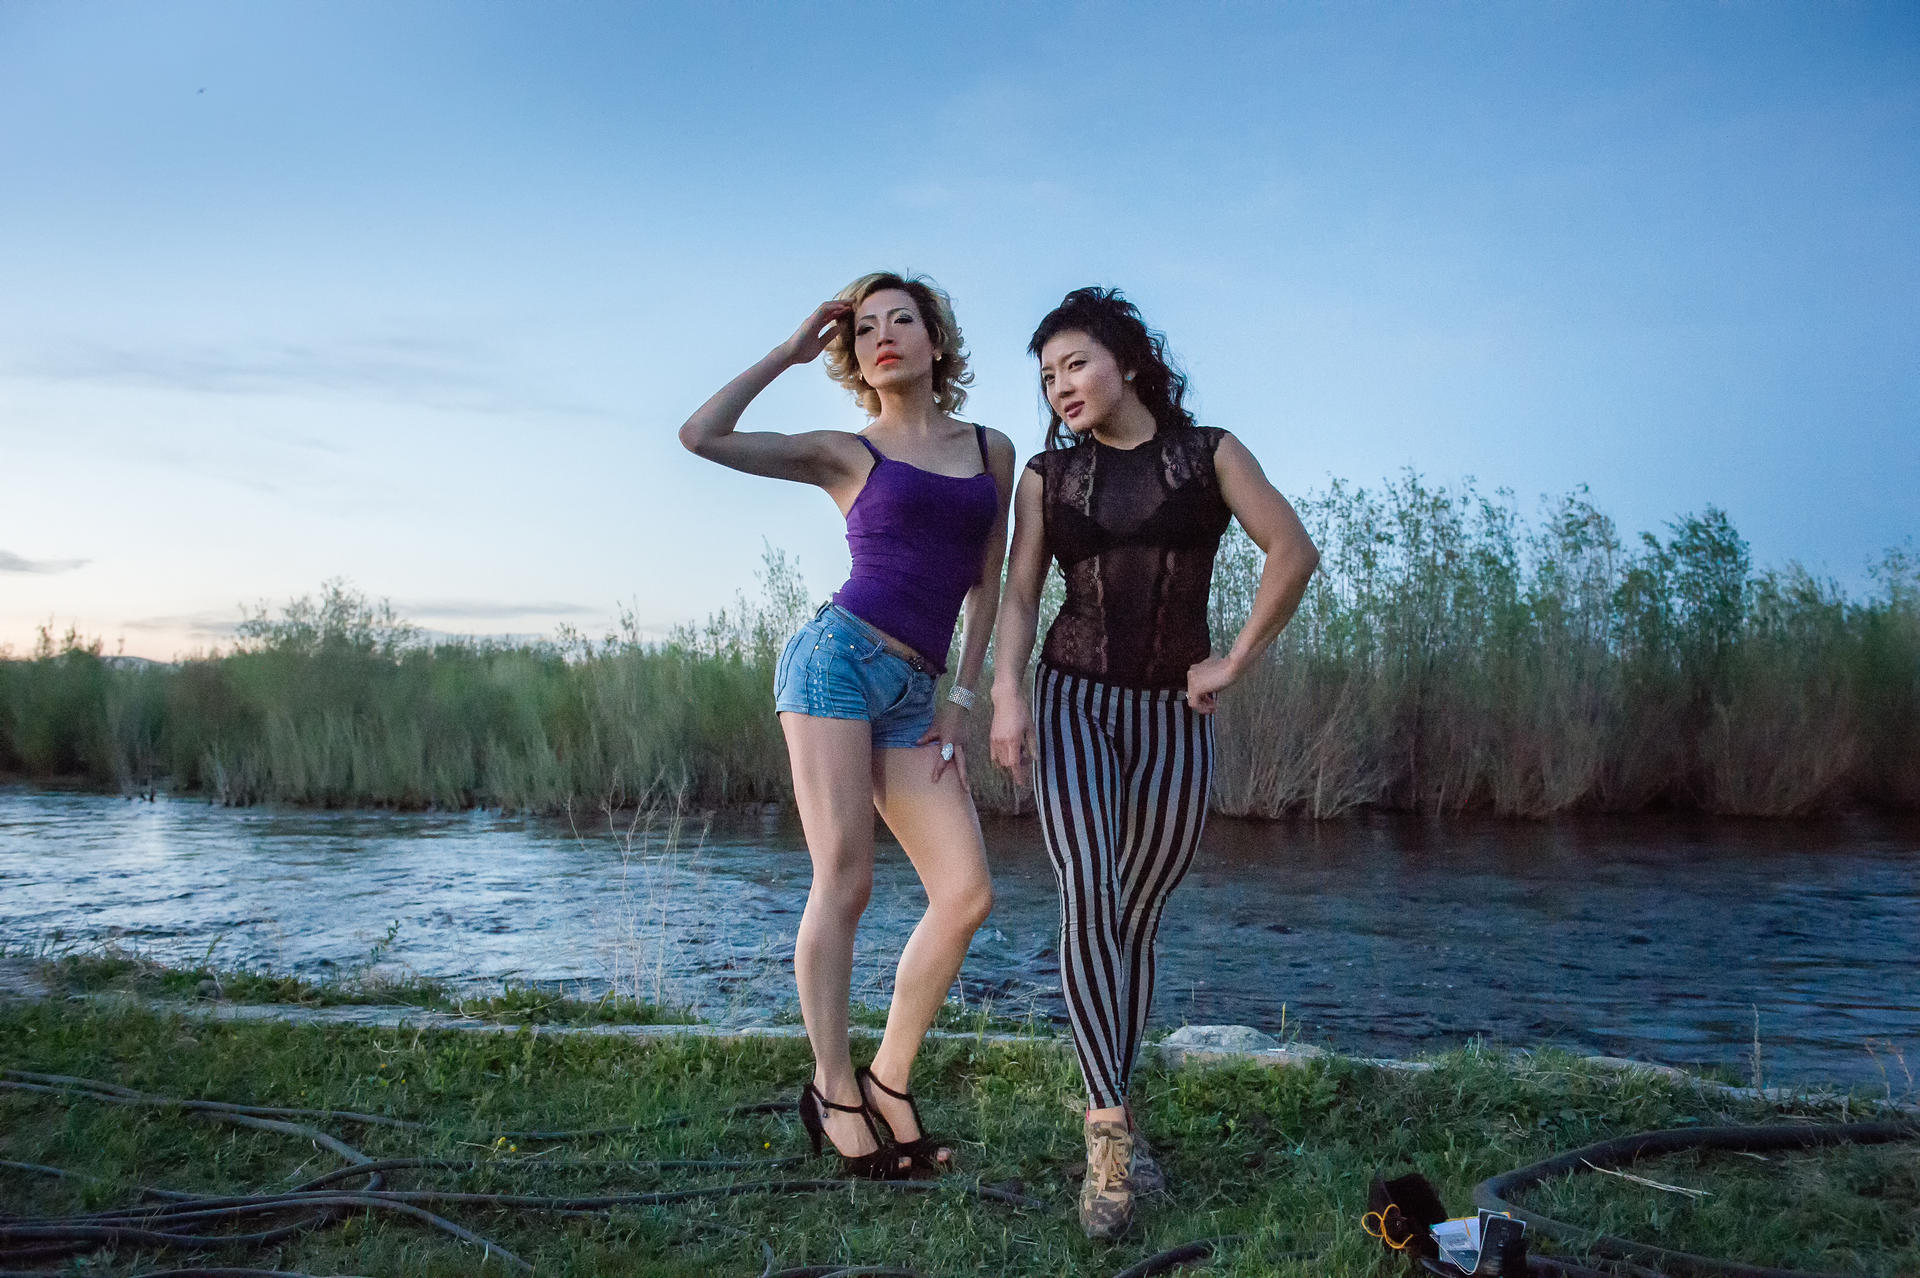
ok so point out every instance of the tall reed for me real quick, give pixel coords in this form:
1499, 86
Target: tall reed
1452, 655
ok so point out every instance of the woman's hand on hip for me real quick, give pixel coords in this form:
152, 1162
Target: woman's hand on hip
949, 729
1206, 680
1011, 742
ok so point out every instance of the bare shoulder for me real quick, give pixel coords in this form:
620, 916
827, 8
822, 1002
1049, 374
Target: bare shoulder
1231, 455
960, 424
999, 447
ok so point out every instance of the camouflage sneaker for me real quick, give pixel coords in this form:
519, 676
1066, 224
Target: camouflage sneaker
1145, 1175
1106, 1196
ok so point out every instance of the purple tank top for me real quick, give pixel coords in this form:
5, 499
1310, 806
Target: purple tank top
916, 539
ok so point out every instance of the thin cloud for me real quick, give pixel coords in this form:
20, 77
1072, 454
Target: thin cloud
10, 562
411, 370
221, 624
195, 625
464, 609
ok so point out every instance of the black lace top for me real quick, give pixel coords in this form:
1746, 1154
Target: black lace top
1135, 531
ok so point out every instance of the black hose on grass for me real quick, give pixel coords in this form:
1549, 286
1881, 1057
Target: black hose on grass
64, 1174
672, 1120
46, 1240
196, 1272
547, 1164
173, 1222
1537, 1264
127, 1095
227, 1273
1174, 1257
215, 1209
842, 1271
99, 1235
66, 1082
1494, 1193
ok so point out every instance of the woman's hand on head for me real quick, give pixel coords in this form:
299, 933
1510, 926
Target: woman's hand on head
1206, 680
1011, 742
812, 337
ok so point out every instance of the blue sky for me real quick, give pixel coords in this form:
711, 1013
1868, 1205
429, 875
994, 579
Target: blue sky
418, 294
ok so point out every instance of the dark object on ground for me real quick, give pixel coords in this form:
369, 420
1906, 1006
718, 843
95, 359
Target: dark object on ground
1174, 1257
1401, 1211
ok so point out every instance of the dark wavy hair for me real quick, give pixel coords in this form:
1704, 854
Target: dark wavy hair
1114, 322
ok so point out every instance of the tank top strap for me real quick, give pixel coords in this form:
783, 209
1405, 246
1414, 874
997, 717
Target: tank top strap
878, 456
980, 437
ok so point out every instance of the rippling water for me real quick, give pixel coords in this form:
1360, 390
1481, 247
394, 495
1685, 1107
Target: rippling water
1659, 939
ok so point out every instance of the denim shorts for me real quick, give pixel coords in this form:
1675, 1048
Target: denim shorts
837, 667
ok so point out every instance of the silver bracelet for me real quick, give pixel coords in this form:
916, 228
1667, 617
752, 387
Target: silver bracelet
962, 697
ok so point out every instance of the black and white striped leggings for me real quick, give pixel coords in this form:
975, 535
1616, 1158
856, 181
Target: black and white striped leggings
1121, 784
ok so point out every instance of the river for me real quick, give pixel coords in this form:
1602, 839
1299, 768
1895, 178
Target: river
1672, 940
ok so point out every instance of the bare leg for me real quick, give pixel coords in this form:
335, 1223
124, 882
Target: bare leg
937, 826
833, 787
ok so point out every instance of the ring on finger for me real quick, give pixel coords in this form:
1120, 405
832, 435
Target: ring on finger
946, 751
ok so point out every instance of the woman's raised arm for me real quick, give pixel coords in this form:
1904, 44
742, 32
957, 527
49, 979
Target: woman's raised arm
823, 457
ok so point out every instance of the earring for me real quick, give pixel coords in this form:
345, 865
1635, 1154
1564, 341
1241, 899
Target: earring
1129, 377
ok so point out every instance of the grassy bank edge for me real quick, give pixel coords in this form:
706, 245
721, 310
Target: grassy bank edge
1278, 1157
127, 973
121, 979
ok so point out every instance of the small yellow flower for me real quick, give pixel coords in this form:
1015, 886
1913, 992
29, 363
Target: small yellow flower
513, 1149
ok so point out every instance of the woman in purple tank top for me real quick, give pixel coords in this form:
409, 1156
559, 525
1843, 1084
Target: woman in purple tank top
925, 498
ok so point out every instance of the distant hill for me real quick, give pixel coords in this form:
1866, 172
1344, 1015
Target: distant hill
138, 663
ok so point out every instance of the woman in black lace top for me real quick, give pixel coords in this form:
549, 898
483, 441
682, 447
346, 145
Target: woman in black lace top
1131, 497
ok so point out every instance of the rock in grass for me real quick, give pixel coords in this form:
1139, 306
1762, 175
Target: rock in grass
1199, 1044
1220, 1038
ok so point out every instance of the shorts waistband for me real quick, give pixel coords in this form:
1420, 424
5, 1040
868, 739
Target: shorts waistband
887, 641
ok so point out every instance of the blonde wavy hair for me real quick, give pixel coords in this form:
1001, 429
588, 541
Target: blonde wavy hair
950, 374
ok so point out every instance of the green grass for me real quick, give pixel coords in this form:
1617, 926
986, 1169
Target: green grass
1281, 1157
1836, 1211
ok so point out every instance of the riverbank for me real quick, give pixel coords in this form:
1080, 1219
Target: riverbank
1383, 937
1275, 1154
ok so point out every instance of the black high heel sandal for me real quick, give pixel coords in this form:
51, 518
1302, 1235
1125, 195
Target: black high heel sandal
883, 1163
924, 1149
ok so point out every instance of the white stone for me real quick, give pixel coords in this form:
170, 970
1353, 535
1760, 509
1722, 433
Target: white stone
1220, 1038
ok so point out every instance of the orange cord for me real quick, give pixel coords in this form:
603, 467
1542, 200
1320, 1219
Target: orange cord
1375, 1223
